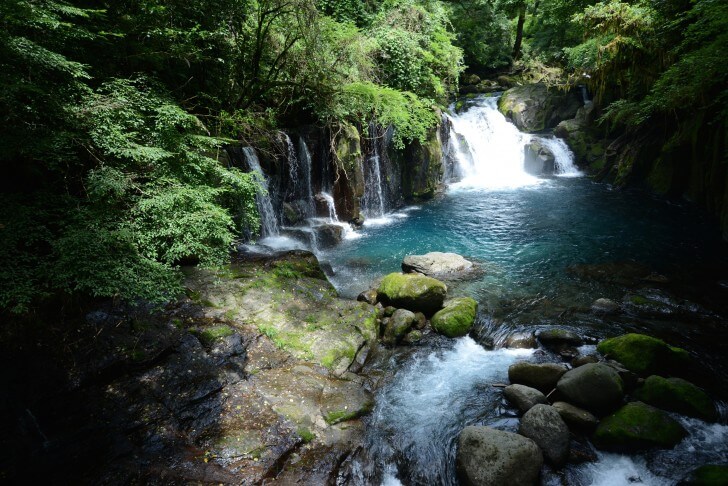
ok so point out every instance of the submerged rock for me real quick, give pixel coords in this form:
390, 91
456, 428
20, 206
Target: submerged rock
546, 428
558, 338
541, 376
414, 292
490, 457
677, 395
521, 341
438, 265
605, 307
576, 417
708, 475
596, 387
638, 426
456, 318
644, 355
524, 397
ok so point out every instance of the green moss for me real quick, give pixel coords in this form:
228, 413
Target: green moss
639, 300
211, 334
637, 426
677, 395
708, 475
457, 318
413, 292
305, 434
644, 354
334, 355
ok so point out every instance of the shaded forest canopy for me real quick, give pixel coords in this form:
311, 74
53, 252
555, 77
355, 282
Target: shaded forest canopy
115, 113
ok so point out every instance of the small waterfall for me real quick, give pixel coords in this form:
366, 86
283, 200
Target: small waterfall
333, 217
564, 157
492, 155
268, 220
304, 157
373, 202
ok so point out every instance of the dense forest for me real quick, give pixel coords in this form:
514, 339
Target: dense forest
115, 114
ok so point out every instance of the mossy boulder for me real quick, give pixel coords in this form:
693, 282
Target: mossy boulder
417, 293
677, 395
596, 387
645, 355
535, 107
638, 426
398, 326
708, 475
457, 318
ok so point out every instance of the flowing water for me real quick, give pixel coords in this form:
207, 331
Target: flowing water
268, 217
549, 247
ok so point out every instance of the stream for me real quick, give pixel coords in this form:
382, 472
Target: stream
549, 247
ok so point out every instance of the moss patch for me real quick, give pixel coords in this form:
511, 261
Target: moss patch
709, 475
412, 292
637, 426
213, 333
643, 354
457, 318
677, 395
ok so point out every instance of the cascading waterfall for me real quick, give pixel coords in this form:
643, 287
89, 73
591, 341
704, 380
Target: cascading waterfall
373, 202
488, 149
304, 158
268, 219
333, 217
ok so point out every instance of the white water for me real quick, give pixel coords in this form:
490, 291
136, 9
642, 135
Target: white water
373, 202
304, 157
333, 217
268, 219
565, 166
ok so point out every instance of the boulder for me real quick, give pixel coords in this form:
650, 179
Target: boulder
438, 265
535, 107
524, 397
414, 292
575, 417
708, 475
521, 340
541, 376
412, 337
398, 325
420, 321
596, 387
557, 338
538, 160
638, 426
584, 359
328, 235
368, 296
644, 355
677, 395
456, 318
605, 307
490, 457
544, 425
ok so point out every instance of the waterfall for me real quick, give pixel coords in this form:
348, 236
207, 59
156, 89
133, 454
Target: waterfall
492, 158
304, 157
373, 202
564, 157
333, 217
268, 220
487, 150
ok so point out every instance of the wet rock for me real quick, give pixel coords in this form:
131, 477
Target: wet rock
605, 307
535, 107
538, 160
328, 235
490, 457
637, 426
585, 359
389, 310
541, 376
439, 265
368, 296
708, 475
412, 337
521, 341
625, 274
414, 292
547, 429
557, 338
524, 397
575, 417
420, 321
677, 395
456, 318
644, 355
398, 325
595, 387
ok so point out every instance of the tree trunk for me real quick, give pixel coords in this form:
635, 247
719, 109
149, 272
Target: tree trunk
519, 32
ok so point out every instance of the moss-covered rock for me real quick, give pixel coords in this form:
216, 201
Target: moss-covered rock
412, 292
677, 395
398, 325
535, 107
457, 318
708, 475
644, 355
596, 387
638, 426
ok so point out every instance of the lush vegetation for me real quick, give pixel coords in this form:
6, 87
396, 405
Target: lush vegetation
116, 114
